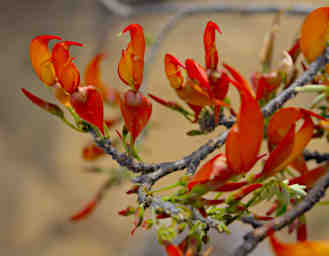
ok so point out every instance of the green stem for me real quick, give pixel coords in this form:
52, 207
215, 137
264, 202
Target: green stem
165, 188
74, 114
68, 123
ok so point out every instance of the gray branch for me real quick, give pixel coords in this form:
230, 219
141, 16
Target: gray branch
123, 9
253, 238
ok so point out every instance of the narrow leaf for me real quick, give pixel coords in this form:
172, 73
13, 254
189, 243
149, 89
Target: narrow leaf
49, 107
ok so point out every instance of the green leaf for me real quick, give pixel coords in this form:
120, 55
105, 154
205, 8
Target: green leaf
194, 133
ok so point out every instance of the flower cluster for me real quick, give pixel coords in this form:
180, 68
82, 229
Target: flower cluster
284, 178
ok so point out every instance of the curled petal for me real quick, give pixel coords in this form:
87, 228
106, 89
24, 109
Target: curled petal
173, 71
303, 137
210, 45
197, 73
69, 77
248, 130
61, 55
193, 94
280, 154
131, 65
136, 111
315, 33
88, 104
212, 175
40, 58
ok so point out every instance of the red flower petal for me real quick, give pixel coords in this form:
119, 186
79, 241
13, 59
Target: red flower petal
197, 73
173, 250
173, 72
69, 78
131, 65
289, 146
315, 33
210, 45
247, 131
212, 174
280, 154
136, 111
60, 55
308, 179
40, 58
88, 103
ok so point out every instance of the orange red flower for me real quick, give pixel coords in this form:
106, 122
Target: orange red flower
136, 109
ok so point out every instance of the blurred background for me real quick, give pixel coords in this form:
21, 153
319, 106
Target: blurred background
43, 182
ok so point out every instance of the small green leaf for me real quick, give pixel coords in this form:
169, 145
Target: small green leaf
194, 133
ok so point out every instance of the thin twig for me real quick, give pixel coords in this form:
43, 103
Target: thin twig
252, 221
316, 156
253, 238
211, 223
157, 203
116, 7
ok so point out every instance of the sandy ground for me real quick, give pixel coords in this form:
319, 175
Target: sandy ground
42, 182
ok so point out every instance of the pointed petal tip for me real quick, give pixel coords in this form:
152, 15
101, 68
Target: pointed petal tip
132, 27
47, 37
69, 43
213, 25
172, 59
